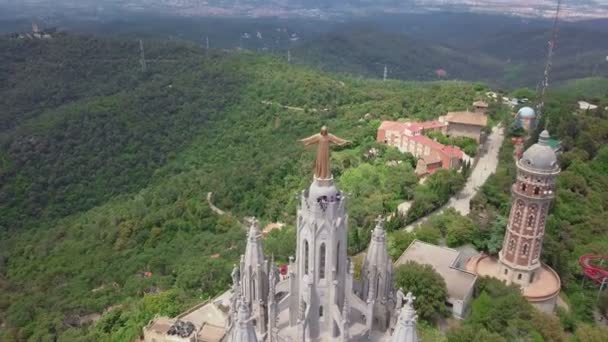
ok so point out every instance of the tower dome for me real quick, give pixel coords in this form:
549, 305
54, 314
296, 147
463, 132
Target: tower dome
526, 112
540, 156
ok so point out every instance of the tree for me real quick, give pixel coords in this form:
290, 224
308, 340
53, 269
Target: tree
426, 284
281, 243
603, 304
591, 333
398, 241
548, 326
469, 333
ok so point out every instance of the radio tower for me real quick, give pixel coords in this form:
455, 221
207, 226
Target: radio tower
545, 83
288, 56
385, 73
142, 58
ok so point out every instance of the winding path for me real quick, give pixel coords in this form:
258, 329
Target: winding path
213, 207
486, 165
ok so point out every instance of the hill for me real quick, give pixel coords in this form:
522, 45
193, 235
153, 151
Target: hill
513, 57
105, 172
104, 220
366, 51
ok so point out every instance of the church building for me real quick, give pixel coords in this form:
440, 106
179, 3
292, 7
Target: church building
319, 300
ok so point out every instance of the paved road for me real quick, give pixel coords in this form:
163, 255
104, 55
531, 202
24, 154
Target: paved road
485, 167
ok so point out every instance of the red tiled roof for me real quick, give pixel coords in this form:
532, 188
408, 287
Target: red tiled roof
432, 159
412, 126
432, 124
453, 151
467, 118
481, 104
393, 125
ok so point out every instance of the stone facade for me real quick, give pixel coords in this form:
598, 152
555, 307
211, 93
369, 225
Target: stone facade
318, 300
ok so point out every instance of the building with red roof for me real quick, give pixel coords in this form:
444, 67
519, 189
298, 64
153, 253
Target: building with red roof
408, 137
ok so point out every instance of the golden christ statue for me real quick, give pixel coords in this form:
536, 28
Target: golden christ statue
323, 140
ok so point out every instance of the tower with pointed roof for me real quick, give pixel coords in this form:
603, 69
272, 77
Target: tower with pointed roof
254, 277
377, 277
321, 264
243, 329
532, 194
405, 329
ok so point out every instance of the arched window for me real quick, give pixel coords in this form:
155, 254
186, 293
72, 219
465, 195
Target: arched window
321, 311
530, 220
506, 271
322, 261
523, 187
524, 251
511, 245
253, 288
517, 216
305, 257
536, 190
519, 276
377, 287
338, 258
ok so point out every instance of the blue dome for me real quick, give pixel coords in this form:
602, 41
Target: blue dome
526, 112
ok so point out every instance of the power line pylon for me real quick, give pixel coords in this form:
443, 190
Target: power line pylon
549, 63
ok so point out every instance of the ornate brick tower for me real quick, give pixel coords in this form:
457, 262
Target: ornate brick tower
532, 194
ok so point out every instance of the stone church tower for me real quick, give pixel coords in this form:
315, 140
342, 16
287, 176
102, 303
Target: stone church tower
254, 272
377, 277
532, 194
319, 283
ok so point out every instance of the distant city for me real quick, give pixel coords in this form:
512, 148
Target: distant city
319, 9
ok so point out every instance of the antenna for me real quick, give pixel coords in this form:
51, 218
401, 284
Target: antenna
288, 56
207, 42
545, 84
142, 58
385, 73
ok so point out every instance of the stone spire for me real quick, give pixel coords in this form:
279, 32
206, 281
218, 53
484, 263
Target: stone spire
243, 330
254, 277
405, 331
320, 282
377, 275
272, 303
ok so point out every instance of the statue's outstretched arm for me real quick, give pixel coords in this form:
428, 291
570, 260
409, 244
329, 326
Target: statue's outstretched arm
338, 141
310, 140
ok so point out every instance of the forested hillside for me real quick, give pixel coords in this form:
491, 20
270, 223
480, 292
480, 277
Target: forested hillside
509, 58
105, 170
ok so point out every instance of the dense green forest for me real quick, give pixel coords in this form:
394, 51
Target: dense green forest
104, 171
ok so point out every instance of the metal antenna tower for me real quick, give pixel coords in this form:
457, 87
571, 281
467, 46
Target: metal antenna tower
385, 73
288, 56
545, 84
142, 58
207, 42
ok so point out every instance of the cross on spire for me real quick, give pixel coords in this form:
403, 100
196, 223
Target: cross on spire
409, 298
